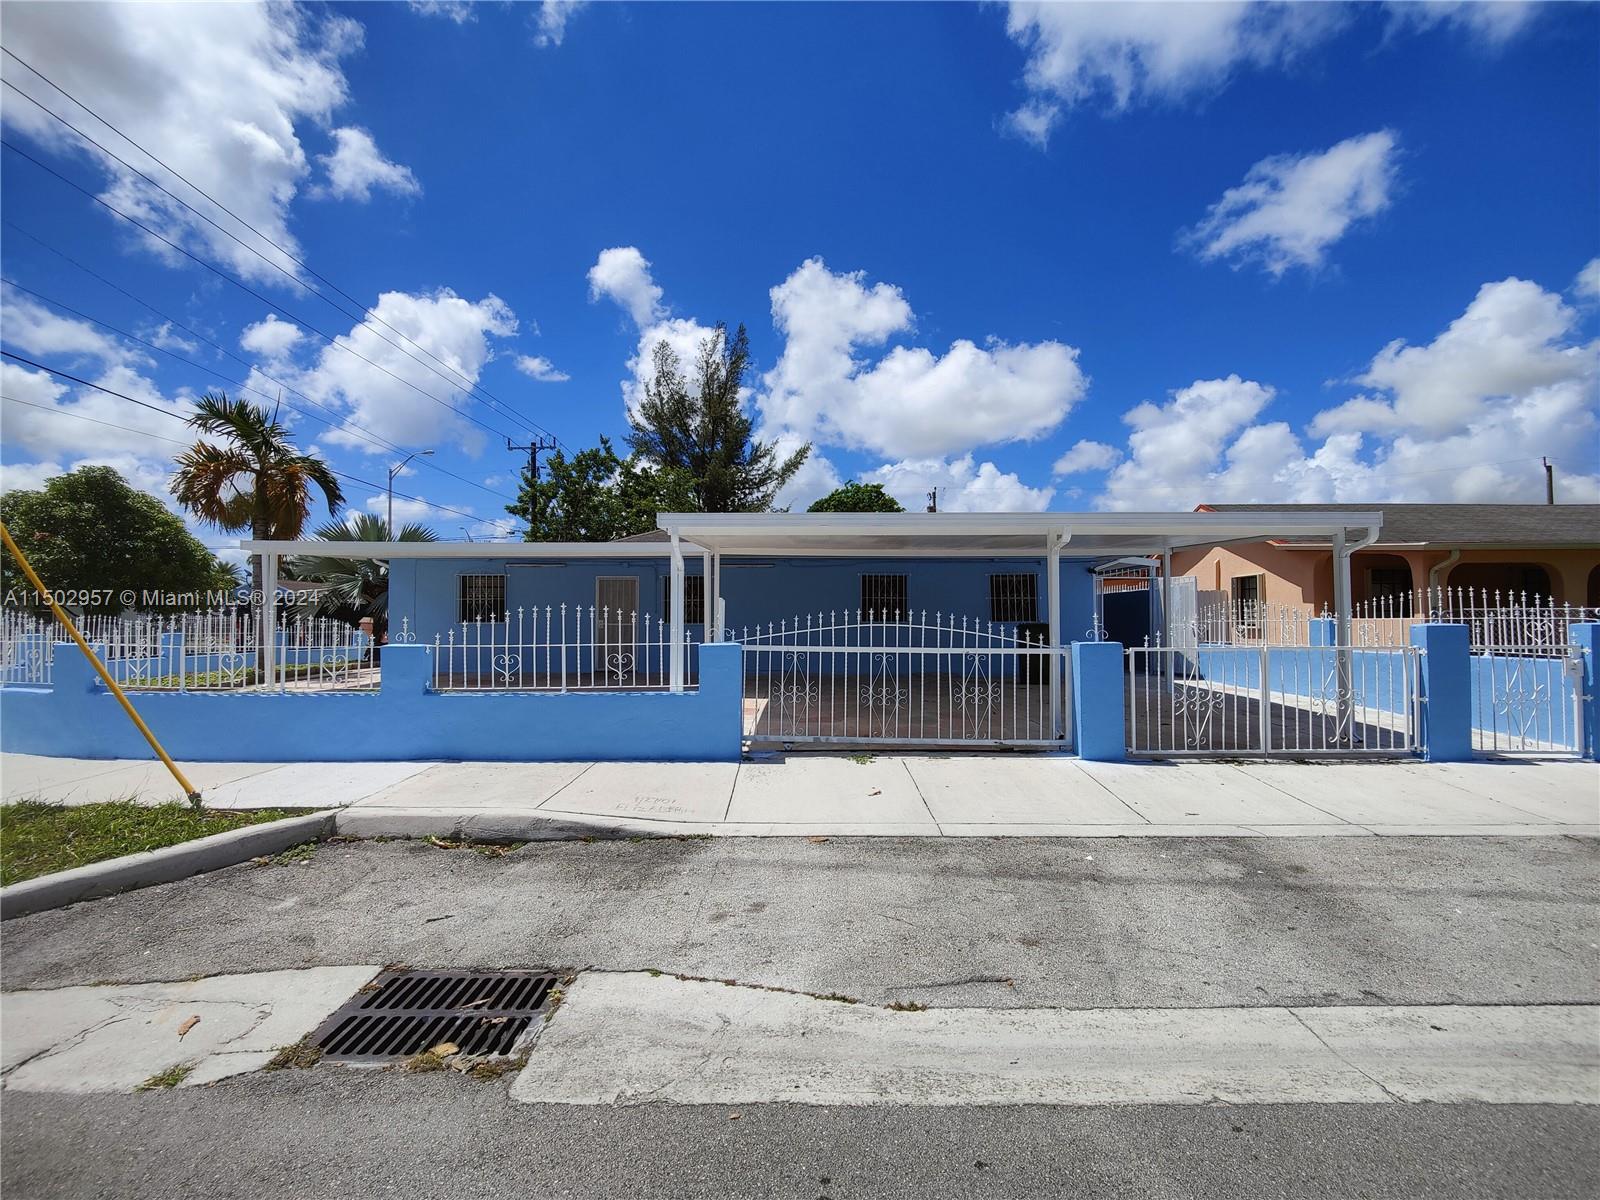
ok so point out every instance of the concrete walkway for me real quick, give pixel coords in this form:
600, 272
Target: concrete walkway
891, 795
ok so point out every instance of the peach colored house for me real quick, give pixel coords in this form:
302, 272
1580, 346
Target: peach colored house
1547, 550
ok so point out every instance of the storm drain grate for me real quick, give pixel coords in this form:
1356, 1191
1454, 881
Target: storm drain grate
406, 1012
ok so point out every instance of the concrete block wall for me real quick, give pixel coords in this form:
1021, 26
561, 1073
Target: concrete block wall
402, 721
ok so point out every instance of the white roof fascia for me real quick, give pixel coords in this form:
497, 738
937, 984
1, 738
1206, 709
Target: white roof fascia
322, 549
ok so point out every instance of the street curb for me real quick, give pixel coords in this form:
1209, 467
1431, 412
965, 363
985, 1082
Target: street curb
162, 866
480, 825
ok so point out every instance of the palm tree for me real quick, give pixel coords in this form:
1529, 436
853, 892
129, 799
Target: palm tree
255, 479
358, 586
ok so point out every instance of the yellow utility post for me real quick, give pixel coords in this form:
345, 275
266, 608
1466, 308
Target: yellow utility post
189, 789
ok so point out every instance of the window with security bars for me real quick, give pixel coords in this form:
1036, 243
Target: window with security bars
1014, 598
694, 599
481, 598
1391, 584
883, 597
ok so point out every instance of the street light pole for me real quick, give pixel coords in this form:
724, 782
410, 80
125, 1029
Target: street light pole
393, 471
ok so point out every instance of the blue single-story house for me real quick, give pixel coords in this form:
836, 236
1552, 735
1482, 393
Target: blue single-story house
721, 633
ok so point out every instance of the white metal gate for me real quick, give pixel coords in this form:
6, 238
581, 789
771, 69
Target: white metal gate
1264, 700
860, 678
1528, 700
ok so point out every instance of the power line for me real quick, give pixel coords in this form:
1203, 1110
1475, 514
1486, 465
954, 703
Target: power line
367, 314
339, 423
221, 274
61, 412
376, 488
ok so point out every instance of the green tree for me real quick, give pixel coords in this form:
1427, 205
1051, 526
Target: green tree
355, 587
699, 427
255, 479
595, 496
88, 531
857, 497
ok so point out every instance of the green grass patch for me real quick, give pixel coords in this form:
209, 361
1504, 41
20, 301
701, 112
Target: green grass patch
39, 839
170, 1078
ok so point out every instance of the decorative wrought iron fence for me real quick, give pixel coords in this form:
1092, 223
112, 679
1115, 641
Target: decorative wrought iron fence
885, 677
559, 649
214, 650
27, 648
1266, 700
1497, 622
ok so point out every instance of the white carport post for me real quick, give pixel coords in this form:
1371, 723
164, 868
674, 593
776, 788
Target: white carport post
675, 655
1341, 636
267, 648
707, 598
1054, 672
1166, 594
718, 613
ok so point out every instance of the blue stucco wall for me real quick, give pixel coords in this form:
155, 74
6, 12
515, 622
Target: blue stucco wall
403, 721
754, 591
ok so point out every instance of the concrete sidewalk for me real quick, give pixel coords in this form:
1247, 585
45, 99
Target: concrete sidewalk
890, 795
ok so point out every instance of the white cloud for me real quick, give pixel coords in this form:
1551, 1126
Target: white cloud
222, 90
459, 11
906, 403
1291, 208
540, 369
1086, 456
49, 434
1034, 122
552, 21
29, 326
622, 274
962, 486
1587, 285
397, 405
1463, 418
408, 510
1508, 343
814, 480
271, 338
356, 166
909, 402
1122, 55
167, 338
1492, 22
1128, 54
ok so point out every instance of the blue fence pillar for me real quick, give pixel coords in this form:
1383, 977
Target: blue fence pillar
1586, 636
1322, 631
1098, 724
72, 671
407, 669
1446, 687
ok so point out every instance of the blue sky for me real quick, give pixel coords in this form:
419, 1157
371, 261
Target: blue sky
1127, 256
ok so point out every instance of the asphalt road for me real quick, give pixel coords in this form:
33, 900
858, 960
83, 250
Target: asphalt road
988, 922
341, 1133
944, 922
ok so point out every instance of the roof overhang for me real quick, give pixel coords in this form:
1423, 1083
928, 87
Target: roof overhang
996, 534
510, 550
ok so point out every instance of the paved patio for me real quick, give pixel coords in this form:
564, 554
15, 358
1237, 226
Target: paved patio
1019, 795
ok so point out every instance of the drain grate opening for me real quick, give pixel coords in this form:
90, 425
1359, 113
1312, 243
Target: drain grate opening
407, 1012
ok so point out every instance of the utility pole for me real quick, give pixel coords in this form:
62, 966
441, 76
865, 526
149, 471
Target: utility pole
1549, 481
540, 443
933, 500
